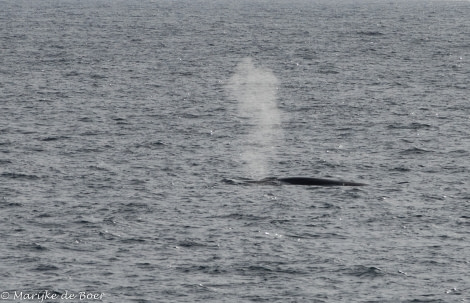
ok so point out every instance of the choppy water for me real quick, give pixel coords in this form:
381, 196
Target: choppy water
119, 120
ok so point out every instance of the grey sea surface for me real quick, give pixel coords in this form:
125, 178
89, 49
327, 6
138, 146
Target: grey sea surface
128, 128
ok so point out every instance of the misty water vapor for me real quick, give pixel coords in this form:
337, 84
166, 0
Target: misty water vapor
255, 89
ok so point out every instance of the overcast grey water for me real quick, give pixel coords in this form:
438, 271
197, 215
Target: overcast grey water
127, 129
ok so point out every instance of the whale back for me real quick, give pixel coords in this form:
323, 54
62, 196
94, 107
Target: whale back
317, 181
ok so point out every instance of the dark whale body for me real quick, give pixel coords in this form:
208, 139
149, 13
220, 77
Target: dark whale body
317, 182
299, 181
294, 181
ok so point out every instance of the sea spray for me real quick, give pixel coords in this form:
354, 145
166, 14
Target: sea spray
255, 90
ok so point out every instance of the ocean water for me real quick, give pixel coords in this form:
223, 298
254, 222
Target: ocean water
122, 121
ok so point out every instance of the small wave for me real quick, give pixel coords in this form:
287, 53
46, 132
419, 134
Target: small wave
414, 151
19, 176
32, 247
85, 119
244, 181
98, 76
133, 241
370, 33
46, 267
231, 182
241, 216
46, 139
11, 204
72, 74
151, 145
457, 152
364, 271
413, 125
190, 243
401, 169
328, 71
